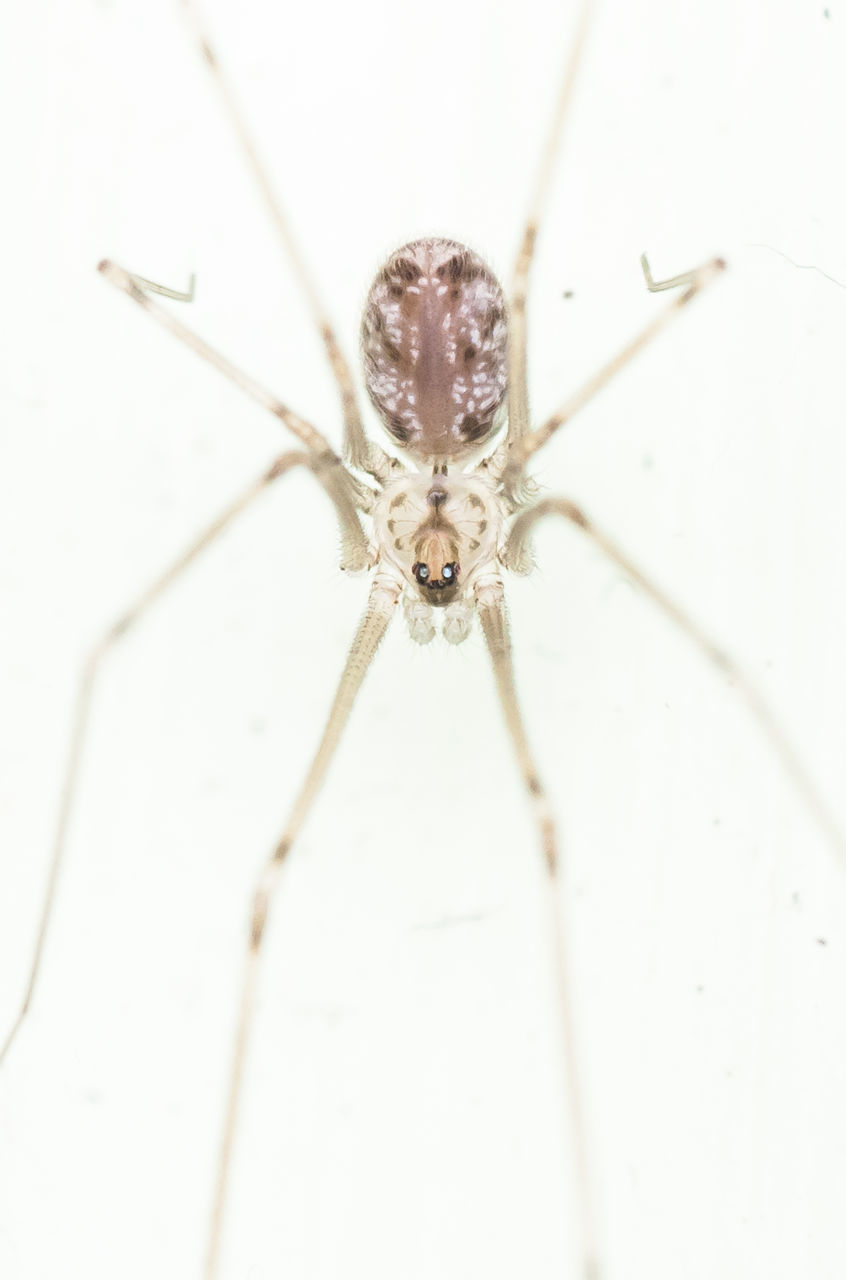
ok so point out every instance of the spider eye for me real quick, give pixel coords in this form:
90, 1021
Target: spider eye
421, 572
450, 572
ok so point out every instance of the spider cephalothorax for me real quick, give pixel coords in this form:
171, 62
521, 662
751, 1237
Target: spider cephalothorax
439, 533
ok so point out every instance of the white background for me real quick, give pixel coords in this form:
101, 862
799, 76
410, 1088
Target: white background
404, 1114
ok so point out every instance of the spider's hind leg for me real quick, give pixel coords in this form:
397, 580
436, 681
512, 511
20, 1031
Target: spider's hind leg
518, 547
384, 594
490, 604
356, 554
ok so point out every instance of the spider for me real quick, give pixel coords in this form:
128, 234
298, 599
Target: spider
426, 564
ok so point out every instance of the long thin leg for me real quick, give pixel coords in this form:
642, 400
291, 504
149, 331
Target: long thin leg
490, 602
384, 594
359, 451
125, 280
515, 459
355, 544
518, 393
518, 546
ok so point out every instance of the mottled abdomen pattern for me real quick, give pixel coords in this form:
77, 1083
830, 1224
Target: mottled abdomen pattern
434, 340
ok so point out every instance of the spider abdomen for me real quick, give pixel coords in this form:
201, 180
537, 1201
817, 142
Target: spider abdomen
434, 341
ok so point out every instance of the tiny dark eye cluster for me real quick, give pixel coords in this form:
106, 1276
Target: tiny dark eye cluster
448, 578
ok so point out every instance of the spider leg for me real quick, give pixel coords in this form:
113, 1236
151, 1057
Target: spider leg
517, 546
512, 461
518, 393
384, 594
490, 603
129, 283
356, 553
360, 452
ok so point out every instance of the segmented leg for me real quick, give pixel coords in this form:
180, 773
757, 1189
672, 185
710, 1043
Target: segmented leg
384, 594
518, 392
355, 546
517, 546
513, 461
359, 451
490, 601
129, 283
